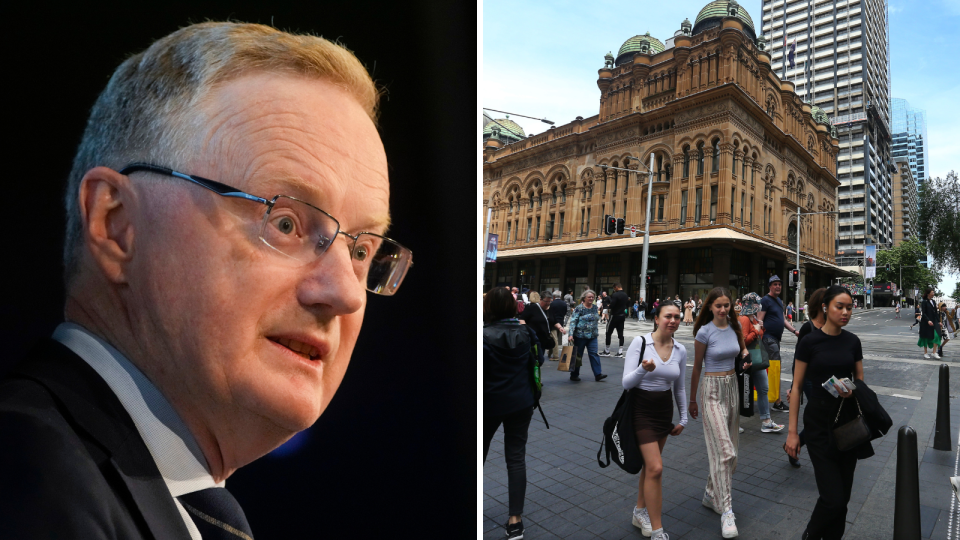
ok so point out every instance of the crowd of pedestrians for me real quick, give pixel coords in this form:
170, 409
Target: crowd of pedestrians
725, 330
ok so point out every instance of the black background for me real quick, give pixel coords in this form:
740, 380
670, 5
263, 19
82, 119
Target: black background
396, 450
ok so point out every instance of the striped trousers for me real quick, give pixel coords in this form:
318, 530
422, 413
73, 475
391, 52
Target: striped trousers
719, 406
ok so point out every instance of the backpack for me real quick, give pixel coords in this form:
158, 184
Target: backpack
520, 306
618, 433
535, 383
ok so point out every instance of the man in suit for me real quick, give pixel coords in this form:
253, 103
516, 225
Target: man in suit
225, 221
557, 313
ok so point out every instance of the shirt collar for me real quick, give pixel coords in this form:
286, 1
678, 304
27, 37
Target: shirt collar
174, 449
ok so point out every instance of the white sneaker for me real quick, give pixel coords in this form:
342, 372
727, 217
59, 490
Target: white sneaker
935, 355
660, 535
926, 355
727, 527
641, 520
708, 502
770, 427
741, 430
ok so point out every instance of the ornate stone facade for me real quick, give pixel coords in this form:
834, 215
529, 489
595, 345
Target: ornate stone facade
734, 147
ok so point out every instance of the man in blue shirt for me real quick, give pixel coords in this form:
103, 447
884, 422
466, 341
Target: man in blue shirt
773, 321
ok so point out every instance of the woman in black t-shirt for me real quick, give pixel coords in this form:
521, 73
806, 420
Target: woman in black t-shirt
827, 351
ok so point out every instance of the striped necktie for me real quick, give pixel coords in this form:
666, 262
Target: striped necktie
217, 514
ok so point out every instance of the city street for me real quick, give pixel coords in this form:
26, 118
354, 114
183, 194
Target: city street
569, 496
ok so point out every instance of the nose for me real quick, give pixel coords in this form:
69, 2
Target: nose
330, 284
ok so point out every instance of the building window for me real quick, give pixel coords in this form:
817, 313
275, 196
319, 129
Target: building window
582, 221
698, 207
588, 222
548, 234
536, 232
713, 204
744, 167
751, 211
683, 208
563, 194
531, 200
560, 228
733, 199
615, 175
660, 208
734, 169
624, 210
765, 228
686, 161
753, 174
716, 155
700, 158
743, 197
529, 228
509, 230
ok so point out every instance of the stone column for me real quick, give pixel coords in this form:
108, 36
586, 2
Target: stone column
673, 273
721, 265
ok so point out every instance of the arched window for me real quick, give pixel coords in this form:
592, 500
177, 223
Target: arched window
563, 193
716, 155
531, 200
792, 236
735, 148
554, 195
615, 175
686, 161
700, 157
659, 168
744, 175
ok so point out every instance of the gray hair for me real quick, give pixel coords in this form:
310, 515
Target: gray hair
585, 293
546, 294
151, 109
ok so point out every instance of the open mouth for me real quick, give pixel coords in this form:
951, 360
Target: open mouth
306, 351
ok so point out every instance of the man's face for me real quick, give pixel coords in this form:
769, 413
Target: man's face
221, 301
775, 288
545, 301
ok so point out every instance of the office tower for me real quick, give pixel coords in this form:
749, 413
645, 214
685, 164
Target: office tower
905, 208
910, 144
841, 50
910, 138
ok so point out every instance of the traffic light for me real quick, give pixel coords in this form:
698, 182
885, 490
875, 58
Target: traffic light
620, 224
609, 224
794, 277
648, 280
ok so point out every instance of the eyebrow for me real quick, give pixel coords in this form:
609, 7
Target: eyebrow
314, 195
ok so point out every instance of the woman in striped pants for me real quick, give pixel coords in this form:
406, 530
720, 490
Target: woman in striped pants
719, 342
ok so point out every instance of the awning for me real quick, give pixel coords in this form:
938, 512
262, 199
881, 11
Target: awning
624, 243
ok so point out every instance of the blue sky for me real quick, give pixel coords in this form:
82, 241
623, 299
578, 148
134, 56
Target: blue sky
541, 59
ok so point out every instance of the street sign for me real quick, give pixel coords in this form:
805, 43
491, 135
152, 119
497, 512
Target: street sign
633, 231
651, 256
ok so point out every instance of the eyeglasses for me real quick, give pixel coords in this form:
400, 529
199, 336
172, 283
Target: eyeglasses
302, 232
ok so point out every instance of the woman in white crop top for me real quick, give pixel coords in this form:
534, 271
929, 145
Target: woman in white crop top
659, 379
718, 351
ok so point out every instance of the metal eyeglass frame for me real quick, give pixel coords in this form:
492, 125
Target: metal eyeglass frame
228, 191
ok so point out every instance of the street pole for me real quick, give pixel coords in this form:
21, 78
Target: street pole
646, 233
799, 210
483, 250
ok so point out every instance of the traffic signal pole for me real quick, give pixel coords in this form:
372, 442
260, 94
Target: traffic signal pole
646, 232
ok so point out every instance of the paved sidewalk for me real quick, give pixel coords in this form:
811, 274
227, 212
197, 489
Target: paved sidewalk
570, 496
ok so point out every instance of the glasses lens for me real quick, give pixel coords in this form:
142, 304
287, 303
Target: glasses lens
297, 229
383, 262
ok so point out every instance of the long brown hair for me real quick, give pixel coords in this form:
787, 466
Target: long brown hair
706, 314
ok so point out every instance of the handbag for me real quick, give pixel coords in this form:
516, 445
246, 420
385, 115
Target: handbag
853, 433
759, 357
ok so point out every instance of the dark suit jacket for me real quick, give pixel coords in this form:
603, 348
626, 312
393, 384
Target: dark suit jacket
72, 464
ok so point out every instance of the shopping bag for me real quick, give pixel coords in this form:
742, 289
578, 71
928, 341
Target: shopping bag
566, 358
773, 379
744, 384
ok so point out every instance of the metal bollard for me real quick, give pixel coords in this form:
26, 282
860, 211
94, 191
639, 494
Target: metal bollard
942, 438
906, 513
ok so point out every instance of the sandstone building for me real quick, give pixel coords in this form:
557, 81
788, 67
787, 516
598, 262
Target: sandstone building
736, 153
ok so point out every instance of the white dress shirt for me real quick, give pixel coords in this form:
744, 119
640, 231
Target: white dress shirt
174, 449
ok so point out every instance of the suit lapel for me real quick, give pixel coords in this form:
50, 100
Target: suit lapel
88, 402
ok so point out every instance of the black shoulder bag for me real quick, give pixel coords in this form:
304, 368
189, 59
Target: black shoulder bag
618, 433
853, 433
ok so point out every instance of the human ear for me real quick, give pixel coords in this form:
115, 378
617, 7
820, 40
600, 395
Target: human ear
106, 203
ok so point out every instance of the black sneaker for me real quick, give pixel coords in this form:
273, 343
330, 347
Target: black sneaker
574, 378
782, 407
601, 377
515, 531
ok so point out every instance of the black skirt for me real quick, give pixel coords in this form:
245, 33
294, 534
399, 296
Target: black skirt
652, 414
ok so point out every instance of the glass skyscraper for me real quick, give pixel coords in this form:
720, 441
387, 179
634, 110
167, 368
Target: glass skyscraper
910, 138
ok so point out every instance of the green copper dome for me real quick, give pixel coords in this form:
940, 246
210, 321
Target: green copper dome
512, 131
634, 45
716, 10
819, 116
